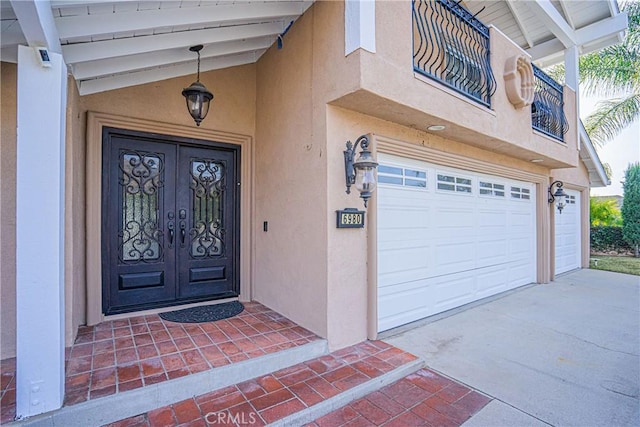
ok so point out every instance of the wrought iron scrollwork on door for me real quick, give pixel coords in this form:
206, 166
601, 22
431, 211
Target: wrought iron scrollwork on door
141, 181
207, 186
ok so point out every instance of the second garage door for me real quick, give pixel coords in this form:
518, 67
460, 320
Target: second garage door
448, 237
567, 225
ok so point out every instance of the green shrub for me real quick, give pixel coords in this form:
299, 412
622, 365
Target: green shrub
631, 206
604, 212
608, 239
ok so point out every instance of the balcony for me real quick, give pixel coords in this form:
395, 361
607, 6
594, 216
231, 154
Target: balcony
458, 79
452, 46
547, 110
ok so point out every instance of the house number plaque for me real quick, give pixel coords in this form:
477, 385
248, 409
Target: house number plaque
350, 218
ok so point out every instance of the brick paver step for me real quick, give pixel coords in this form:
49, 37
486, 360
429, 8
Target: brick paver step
424, 398
354, 386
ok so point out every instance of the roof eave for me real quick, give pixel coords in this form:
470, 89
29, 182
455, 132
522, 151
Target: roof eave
589, 156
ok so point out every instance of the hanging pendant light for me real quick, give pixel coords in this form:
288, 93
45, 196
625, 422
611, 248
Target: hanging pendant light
197, 95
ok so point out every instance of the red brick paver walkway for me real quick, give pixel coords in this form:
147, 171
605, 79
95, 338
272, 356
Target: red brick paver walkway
421, 399
121, 355
126, 354
8, 390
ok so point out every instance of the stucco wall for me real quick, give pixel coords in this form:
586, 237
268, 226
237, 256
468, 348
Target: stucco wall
160, 107
75, 238
392, 91
8, 75
576, 177
304, 268
290, 172
74, 205
346, 248
232, 109
291, 102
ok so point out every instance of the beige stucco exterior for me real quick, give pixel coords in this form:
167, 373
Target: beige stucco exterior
292, 113
235, 98
415, 101
291, 257
7, 209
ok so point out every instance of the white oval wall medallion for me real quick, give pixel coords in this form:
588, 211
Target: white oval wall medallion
518, 79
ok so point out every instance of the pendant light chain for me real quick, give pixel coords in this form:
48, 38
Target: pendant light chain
198, 77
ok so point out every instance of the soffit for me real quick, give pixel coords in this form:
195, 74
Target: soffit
109, 44
545, 27
118, 43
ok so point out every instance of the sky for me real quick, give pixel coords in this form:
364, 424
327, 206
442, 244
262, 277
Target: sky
618, 153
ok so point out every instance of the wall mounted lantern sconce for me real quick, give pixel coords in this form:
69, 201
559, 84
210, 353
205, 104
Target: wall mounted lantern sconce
559, 197
197, 95
360, 172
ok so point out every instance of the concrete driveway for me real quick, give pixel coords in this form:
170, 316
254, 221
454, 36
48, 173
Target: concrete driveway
561, 354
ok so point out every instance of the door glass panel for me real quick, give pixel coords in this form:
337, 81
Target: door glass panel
141, 181
207, 189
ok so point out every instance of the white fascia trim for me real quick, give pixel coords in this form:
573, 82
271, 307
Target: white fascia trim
146, 61
588, 152
553, 20
206, 15
87, 87
602, 29
590, 38
572, 69
85, 52
37, 23
544, 50
359, 26
613, 7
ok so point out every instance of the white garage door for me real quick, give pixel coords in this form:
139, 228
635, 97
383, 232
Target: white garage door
447, 237
567, 224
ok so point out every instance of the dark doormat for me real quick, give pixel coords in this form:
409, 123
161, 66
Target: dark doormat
204, 313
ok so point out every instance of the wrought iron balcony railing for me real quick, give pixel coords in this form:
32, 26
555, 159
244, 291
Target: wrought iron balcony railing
547, 110
451, 46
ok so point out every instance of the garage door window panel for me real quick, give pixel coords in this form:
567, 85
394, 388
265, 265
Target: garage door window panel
491, 189
405, 177
455, 184
520, 193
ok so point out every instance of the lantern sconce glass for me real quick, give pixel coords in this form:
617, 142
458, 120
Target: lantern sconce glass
197, 95
360, 172
559, 196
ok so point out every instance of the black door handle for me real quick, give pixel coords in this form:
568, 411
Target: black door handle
171, 232
170, 226
182, 232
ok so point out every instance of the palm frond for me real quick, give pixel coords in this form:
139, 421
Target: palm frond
611, 72
611, 117
556, 72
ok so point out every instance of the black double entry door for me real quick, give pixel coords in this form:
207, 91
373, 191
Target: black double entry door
170, 221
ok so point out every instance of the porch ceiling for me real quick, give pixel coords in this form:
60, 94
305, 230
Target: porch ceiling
545, 28
109, 44
117, 43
